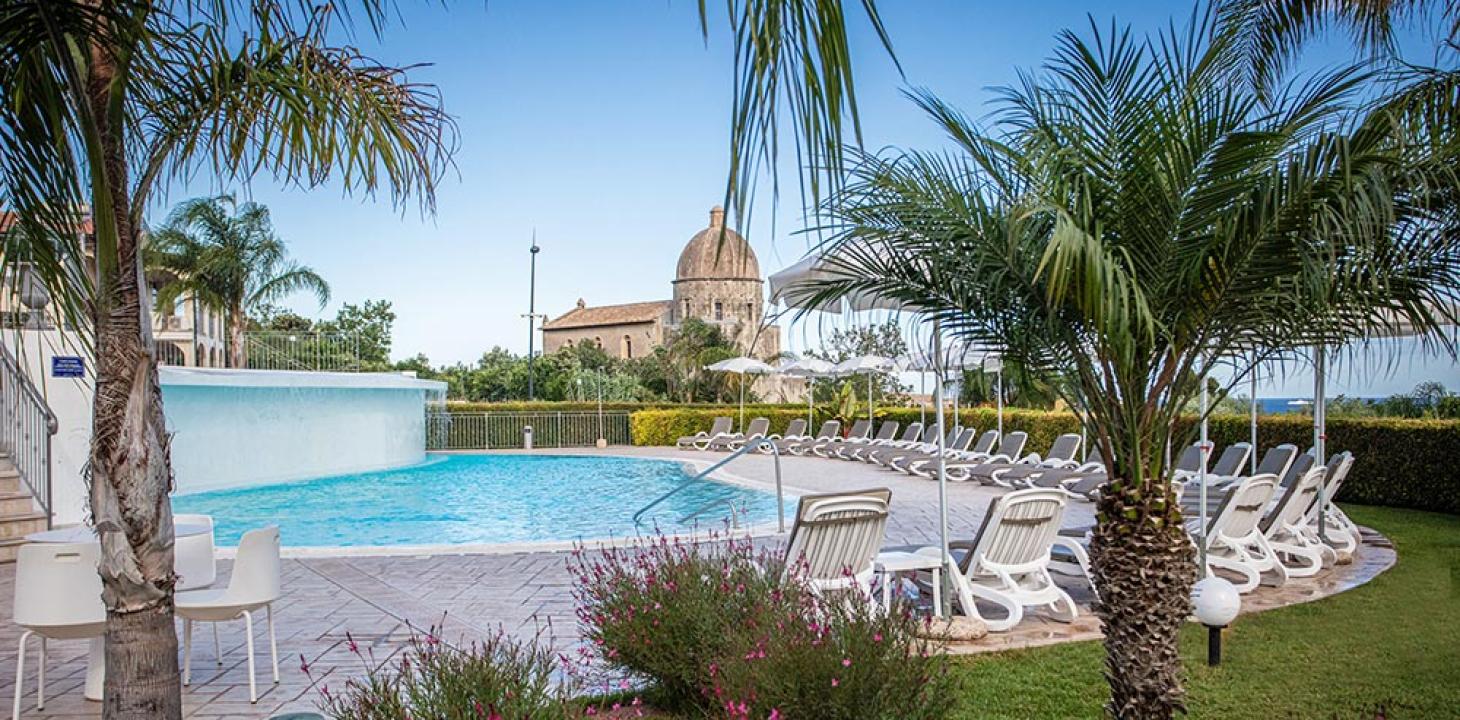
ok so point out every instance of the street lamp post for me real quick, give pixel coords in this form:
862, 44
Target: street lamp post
531, 313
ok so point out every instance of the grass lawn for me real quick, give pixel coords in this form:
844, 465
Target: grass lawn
1390, 648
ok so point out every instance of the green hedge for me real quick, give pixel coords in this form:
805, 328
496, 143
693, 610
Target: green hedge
664, 427
1397, 462
566, 406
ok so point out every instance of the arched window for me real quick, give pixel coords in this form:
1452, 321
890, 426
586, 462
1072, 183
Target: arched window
686, 310
719, 310
169, 354
628, 347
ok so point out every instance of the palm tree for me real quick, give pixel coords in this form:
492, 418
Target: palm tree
104, 101
227, 257
1130, 219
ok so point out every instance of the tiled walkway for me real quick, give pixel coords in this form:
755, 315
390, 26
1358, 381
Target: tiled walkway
378, 599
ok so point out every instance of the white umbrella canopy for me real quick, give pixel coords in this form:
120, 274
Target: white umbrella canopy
795, 285
809, 368
742, 366
865, 364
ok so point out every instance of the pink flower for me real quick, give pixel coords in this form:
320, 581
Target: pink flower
846, 662
835, 682
877, 637
775, 714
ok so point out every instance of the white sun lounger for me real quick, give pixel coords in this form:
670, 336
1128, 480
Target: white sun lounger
1007, 563
859, 451
1286, 530
835, 539
1234, 541
800, 446
701, 440
757, 430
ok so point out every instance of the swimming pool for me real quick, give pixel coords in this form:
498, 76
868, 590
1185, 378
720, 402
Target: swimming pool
474, 499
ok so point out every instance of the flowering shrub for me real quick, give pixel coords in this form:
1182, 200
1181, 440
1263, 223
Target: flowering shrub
500, 680
719, 628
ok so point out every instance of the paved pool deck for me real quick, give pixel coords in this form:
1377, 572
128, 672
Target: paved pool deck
380, 600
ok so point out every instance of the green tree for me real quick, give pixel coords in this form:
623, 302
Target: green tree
105, 101
685, 353
367, 328
884, 340
1130, 218
227, 256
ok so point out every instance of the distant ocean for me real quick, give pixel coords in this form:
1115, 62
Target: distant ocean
1273, 406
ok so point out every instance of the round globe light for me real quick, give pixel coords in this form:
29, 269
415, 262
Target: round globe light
1215, 602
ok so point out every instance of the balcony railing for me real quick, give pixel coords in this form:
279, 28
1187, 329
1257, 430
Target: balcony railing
26, 427
315, 351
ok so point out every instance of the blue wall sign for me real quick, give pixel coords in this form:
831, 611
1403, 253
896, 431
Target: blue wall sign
68, 366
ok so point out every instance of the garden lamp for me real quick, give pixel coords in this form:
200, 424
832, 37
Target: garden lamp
1215, 602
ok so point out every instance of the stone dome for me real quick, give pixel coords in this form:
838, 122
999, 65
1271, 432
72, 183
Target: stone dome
706, 257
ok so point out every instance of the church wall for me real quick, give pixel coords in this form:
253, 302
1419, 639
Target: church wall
644, 337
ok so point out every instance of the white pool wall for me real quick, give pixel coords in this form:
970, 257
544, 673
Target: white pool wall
238, 428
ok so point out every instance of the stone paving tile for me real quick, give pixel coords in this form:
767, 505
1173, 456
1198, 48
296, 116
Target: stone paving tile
381, 601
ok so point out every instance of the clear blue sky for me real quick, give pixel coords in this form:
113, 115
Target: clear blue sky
603, 126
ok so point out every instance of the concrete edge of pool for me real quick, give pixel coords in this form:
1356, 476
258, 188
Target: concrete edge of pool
757, 530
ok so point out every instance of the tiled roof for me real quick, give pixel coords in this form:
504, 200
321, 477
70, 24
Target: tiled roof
628, 313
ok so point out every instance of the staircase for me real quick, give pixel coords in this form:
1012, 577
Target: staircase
18, 514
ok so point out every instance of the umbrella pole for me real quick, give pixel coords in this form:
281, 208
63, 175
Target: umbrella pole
1320, 430
742, 403
810, 396
947, 605
1201, 477
869, 404
1253, 411
999, 398
922, 402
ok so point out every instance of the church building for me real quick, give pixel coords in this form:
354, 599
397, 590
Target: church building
717, 280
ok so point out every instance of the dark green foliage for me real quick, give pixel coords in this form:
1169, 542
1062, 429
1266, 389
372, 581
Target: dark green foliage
501, 679
719, 630
664, 427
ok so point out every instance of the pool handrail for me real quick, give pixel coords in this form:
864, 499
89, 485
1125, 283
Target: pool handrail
750, 445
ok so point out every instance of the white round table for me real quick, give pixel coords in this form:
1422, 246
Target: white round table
96, 654
81, 533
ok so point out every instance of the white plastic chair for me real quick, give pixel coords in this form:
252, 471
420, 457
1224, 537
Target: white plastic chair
57, 597
1285, 527
194, 554
1235, 542
836, 538
254, 584
1008, 561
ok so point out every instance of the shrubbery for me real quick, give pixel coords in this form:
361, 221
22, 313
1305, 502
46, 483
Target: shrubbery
716, 629
664, 427
501, 680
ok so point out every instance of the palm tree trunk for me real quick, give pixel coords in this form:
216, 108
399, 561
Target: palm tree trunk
1143, 567
130, 474
237, 350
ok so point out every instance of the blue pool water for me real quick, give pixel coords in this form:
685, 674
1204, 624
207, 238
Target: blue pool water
469, 499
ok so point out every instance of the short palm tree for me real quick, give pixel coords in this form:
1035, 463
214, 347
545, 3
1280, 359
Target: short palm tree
1130, 219
227, 257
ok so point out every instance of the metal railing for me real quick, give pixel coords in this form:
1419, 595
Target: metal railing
749, 446
314, 351
500, 430
26, 427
